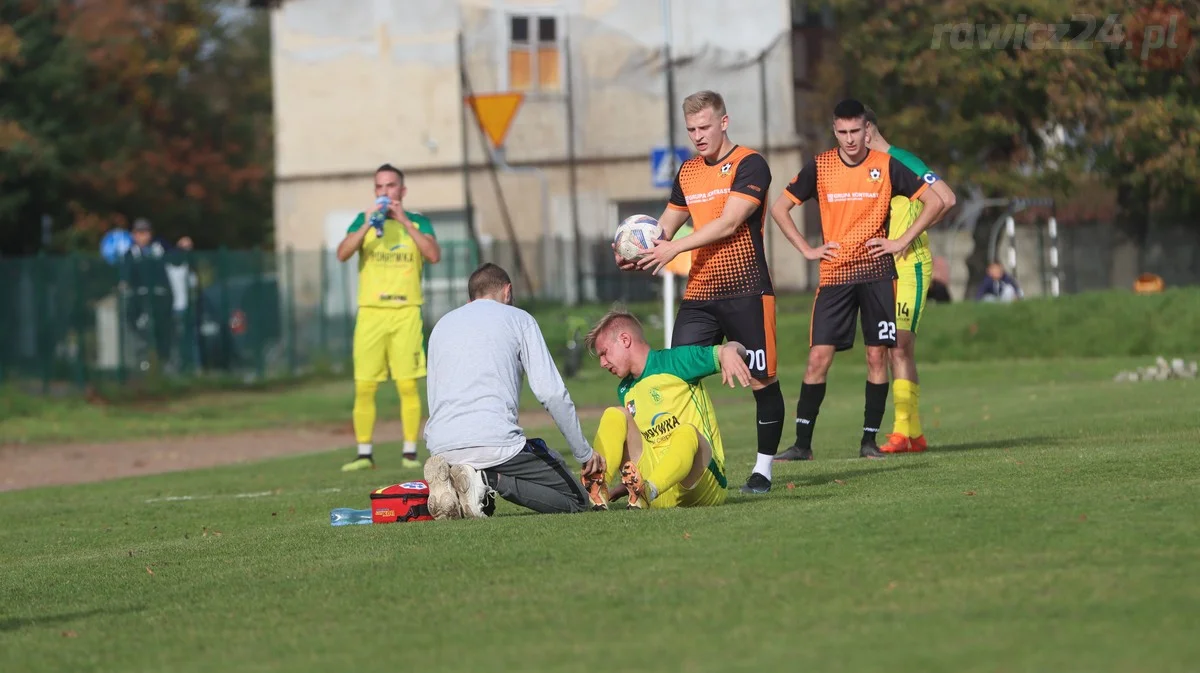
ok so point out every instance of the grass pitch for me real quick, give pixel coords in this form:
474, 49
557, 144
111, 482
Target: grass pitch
1052, 527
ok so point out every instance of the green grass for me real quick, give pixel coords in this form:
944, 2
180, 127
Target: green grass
1051, 528
1087, 325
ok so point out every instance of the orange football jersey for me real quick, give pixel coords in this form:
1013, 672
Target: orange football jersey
855, 204
735, 266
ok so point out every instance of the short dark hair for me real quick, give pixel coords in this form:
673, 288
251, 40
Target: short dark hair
849, 109
391, 169
487, 279
869, 115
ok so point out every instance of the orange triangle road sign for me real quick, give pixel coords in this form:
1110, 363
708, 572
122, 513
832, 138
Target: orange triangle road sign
495, 112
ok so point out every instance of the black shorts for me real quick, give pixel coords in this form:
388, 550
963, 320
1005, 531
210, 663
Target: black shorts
749, 321
836, 309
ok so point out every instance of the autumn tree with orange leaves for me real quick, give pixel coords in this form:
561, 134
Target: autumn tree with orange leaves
116, 109
1035, 98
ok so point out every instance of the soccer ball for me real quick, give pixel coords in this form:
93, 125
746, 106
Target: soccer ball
634, 232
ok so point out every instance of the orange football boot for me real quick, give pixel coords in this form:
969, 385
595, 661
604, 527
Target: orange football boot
597, 490
896, 443
917, 444
631, 477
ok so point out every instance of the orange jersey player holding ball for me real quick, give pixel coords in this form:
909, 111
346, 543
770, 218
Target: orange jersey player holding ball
729, 295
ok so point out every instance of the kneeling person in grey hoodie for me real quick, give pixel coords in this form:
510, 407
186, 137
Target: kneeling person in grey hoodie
478, 354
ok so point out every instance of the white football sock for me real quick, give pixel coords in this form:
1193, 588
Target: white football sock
762, 465
410, 448
364, 450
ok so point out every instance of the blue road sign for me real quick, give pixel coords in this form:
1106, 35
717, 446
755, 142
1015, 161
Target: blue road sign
662, 173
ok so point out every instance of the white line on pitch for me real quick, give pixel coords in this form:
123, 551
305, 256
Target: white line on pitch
259, 494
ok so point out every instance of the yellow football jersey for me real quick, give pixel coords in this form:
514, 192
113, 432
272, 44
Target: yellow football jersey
905, 211
669, 392
390, 267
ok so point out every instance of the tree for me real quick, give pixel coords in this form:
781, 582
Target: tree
1140, 125
127, 108
982, 89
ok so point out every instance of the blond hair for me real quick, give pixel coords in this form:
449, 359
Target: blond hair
614, 319
700, 100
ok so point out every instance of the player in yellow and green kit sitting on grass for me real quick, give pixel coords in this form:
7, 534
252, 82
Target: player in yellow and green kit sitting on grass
664, 440
393, 245
914, 271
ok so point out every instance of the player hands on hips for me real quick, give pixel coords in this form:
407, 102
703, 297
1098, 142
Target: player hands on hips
858, 268
729, 294
663, 440
393, 245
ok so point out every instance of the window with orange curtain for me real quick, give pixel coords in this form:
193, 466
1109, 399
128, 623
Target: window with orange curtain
534, 54
548, 78
520, 69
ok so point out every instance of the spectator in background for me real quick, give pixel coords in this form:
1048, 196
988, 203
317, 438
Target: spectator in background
939, 288
153, 273
998, 285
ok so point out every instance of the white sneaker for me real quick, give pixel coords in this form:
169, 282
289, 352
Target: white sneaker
443, 501
473, 491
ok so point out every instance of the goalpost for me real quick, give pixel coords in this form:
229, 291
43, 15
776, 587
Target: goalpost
1005, 228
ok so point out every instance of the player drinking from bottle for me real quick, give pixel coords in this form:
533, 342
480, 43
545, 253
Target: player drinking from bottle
393, 245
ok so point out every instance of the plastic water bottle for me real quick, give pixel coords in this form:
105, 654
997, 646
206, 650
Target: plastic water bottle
344, 516
380, 214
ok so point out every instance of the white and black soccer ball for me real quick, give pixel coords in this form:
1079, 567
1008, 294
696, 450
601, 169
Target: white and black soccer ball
636, 231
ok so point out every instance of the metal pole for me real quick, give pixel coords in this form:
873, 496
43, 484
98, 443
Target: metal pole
290, 261
322, 310
668, 303
506, 218
668, 283
468, 205
577, 248
77, 323
670, 74
766, 138
1010, 229
1052, 229
41, 296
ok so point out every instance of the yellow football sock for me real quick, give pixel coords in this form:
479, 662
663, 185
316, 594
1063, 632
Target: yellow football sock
675, 463
902, 393
364, 410
410, 409
914, 420
610, 441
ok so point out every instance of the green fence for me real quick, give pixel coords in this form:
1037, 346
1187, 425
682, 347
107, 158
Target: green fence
247, 314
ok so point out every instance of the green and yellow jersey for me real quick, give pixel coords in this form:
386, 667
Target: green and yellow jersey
389, 267
669, 392
905, 211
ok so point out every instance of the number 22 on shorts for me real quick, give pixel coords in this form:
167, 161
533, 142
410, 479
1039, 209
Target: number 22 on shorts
887, 331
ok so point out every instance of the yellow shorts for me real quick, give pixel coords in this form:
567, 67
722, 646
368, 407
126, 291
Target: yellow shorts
708, 491
389, 338
911, 287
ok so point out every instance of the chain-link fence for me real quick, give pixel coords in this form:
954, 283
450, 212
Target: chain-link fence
246, 314
241, 315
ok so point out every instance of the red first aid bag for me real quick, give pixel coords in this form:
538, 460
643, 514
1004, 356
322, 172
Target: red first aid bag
401, 502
